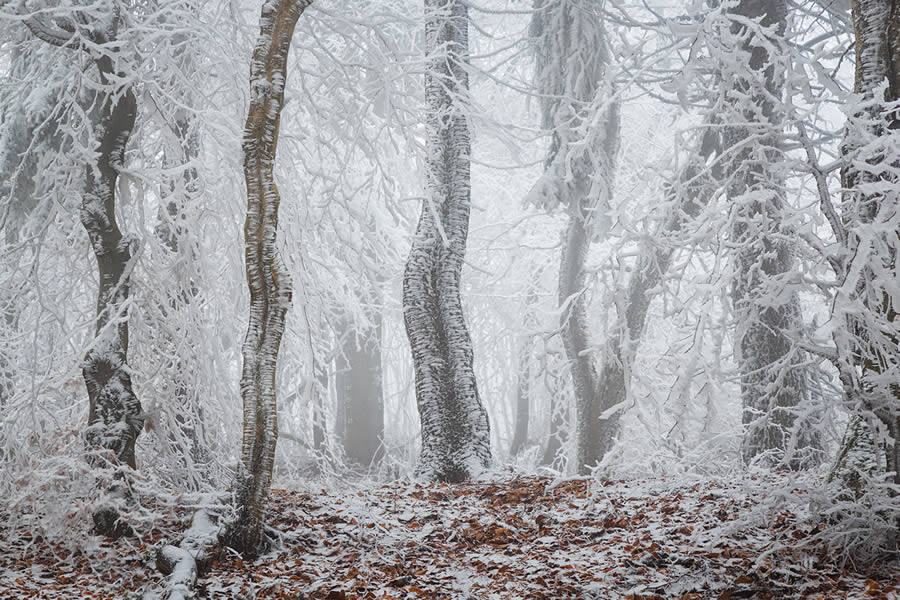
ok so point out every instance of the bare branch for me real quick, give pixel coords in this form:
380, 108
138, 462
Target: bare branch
57, 36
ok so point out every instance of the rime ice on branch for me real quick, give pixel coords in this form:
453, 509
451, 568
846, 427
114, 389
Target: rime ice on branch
579, 110
115, 413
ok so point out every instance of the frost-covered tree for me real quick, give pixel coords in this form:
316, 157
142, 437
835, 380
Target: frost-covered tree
267, 278
29, 138
115, 416
867, 227
177, 238
579, 109
455, 429
764, 288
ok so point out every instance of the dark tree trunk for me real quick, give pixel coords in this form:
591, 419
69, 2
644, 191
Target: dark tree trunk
267, 278
579, 175
115, 414
773, 382
455, 429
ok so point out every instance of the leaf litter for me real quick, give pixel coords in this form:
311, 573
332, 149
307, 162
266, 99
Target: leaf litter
532, 538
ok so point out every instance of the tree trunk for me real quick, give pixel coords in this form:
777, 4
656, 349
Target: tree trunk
267, 278
559, 430
865, 305
359, 389
455, 429
523, 373
579, 176
772, 381
523, 397
115, 414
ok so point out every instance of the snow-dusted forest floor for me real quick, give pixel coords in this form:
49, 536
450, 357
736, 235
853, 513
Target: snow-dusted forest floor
526, 537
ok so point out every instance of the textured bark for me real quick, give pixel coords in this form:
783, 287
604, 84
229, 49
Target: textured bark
267, 278
360, 395
455, 429
868, 343
579, 175
772, 381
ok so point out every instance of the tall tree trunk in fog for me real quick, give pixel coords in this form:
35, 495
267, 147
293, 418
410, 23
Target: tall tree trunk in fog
360, 395
267, 278
455, 429
114, 418
767, 311
865, 308
579, 110
523, 372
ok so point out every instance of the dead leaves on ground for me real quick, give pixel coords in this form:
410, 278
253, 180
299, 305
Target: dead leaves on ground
527, 538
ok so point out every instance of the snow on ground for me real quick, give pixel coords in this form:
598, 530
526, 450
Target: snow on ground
524, 538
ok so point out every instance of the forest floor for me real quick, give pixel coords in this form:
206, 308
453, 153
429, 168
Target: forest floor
521, 538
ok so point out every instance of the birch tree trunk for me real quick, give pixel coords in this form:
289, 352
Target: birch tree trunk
267, 278
869, 228
766, 309
455, 429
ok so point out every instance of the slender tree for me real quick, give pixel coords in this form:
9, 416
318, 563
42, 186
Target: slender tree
267, 278
523, 390
455, 429
579, 109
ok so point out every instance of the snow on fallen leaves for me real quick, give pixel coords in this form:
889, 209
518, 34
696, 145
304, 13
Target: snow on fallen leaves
529, 537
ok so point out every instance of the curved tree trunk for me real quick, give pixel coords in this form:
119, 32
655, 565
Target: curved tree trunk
455, 429
114, 418
267, 278
115, 415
